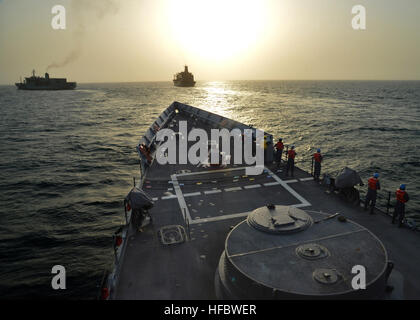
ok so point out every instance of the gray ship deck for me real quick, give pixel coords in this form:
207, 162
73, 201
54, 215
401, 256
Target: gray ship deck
217, 199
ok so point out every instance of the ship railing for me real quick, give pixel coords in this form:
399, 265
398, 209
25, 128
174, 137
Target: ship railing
123, 233
149, 138
214, 120
110, 282
385, 201
210, 118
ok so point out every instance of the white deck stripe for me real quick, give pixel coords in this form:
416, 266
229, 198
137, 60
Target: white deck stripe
233, 189
304, 202
181, 199
155, 199
231, 216
269, 184
184, 208
306, 179
247, 187
220, 218
212, 191
209, 172
253, 186
192, 194
169, 197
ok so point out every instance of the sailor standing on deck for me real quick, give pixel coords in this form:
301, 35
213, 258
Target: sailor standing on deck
291, 161
317, 158
268, 149
279, 147
402, 198
373, 186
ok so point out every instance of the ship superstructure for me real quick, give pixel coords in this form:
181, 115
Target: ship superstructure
184, 79
39, 83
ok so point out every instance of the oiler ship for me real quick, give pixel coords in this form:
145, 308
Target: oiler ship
213, 232
39, 83
184, 79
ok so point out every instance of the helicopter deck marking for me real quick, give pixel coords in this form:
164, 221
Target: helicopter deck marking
185, 210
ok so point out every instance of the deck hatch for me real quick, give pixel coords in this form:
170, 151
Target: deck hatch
172, 234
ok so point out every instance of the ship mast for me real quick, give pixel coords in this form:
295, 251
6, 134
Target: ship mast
33, 72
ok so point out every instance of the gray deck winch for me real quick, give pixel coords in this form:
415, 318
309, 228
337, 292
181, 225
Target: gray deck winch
278, 252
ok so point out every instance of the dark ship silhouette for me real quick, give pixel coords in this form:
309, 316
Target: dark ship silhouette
47, 83
184, 79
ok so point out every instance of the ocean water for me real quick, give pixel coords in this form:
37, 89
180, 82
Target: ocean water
67, 159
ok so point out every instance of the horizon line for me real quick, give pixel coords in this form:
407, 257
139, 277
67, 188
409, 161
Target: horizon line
261, 80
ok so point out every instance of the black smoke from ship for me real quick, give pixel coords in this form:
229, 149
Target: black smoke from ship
82, 11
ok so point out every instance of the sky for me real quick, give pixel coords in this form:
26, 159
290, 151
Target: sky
150, 40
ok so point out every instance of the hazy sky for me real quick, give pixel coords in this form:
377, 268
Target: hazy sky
150, 40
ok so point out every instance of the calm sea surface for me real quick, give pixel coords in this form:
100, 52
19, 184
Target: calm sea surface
67, 159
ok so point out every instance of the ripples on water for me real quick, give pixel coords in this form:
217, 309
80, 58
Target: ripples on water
67, 158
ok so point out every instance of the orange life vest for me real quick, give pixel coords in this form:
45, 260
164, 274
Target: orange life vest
317, 157
118, 241
400, 196
373, 183
146, 153
292, 154
104, 293
279, 145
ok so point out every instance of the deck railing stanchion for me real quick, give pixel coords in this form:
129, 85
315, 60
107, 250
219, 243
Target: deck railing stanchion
125, 211
115, 249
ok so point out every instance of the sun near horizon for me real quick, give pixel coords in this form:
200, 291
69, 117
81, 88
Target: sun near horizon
145, 40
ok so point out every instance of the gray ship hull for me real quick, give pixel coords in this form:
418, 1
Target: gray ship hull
67, 86
184, 83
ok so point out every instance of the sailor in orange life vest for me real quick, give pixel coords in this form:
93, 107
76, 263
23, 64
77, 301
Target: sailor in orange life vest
291, 161
402, 198
145, 152
373, 185
317, 165
279, 147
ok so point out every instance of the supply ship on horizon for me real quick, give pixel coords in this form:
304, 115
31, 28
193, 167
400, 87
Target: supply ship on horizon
47, 83
184, 79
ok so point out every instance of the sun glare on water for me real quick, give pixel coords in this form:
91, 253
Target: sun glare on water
215, 30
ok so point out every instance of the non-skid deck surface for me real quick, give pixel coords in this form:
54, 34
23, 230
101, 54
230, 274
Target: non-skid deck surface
213, 200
